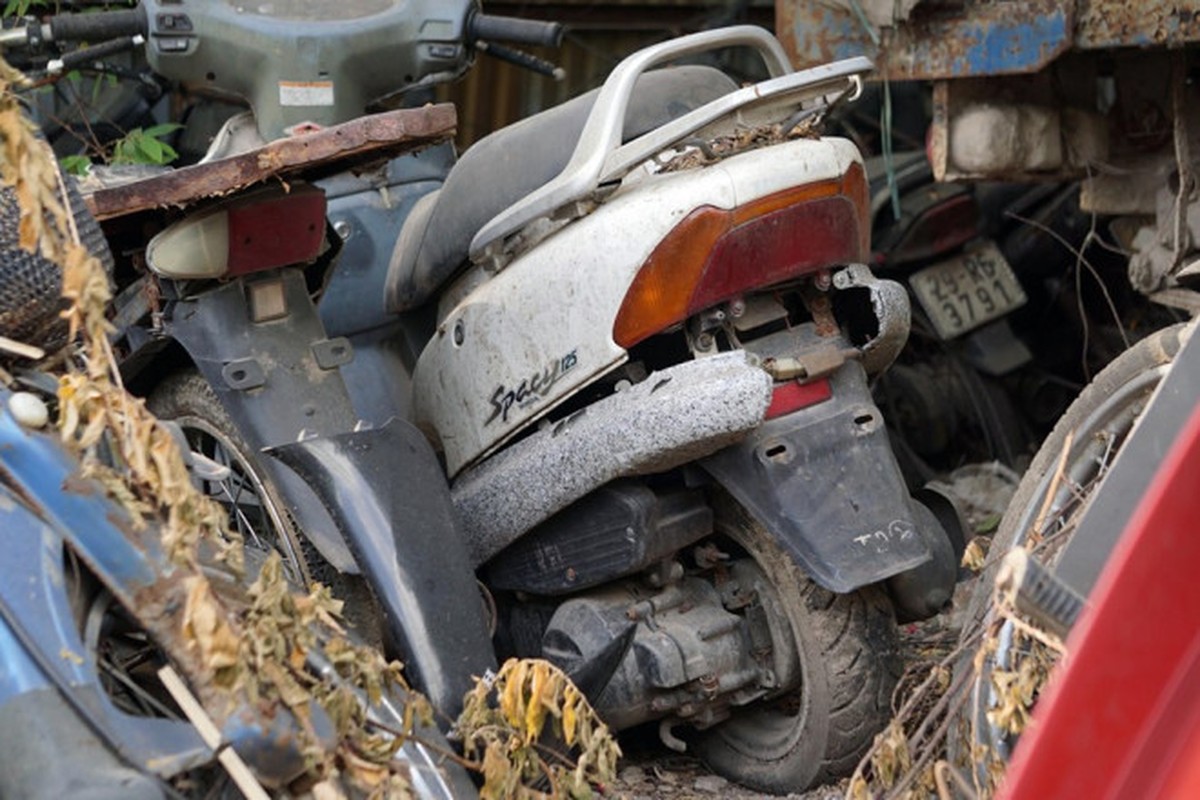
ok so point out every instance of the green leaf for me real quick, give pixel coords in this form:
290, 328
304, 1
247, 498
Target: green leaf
149, 147
76, 164
20, 8
989, 524
144, 147
159, 131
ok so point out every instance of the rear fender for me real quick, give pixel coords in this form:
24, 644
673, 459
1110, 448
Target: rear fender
824, 481
277, 380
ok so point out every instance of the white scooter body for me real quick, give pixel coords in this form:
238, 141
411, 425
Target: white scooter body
538, 319
529, 338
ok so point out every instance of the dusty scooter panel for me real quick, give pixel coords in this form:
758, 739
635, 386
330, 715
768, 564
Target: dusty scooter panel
529, 338
526, 340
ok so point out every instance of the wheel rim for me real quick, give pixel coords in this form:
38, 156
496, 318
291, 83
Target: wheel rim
1094, 448
253, 512
126, 658
769, 729
1095, 445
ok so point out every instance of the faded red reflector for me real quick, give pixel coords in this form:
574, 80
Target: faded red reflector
793, 396
276, 231
943, 227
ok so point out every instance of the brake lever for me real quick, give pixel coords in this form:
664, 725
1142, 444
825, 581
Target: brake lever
85, 55
521, 59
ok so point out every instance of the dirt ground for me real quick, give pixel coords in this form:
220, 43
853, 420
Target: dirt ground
650, 771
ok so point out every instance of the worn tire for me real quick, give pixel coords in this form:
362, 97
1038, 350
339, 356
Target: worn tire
850, 663
187, 398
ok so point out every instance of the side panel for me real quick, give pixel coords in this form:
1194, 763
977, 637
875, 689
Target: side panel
529, 338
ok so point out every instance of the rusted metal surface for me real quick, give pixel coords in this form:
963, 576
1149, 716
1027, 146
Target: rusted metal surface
1146, 23
935, 41
974, 38
335, 149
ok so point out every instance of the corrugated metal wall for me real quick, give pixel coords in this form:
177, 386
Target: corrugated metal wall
599, 35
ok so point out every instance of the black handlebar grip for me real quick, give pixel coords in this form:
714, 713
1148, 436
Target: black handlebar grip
493, 28
98, 27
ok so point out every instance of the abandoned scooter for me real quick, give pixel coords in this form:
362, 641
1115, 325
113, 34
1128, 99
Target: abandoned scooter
645, 331
191, 308
666, 344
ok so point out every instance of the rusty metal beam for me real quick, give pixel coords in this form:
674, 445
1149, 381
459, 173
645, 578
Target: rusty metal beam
1149, 23
934, 41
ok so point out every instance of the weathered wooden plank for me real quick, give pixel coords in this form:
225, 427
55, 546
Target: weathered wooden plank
369, 138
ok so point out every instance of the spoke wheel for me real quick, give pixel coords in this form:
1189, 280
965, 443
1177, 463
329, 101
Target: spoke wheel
849, 664
1044, 514
254, 509
128, 659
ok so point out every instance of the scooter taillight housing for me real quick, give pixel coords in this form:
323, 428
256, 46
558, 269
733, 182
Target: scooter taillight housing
715, 254
270, 228
947, 221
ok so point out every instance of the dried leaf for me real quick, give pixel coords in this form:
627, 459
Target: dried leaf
504, 720
205, 626
975, 556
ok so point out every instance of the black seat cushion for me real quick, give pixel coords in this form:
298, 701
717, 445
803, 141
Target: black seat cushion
505, 166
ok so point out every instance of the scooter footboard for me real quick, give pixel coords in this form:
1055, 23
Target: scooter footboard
824, 481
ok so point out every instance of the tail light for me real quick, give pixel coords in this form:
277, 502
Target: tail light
268, 229
715, 254
949, 219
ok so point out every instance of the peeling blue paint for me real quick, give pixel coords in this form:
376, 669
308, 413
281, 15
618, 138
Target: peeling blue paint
991, 39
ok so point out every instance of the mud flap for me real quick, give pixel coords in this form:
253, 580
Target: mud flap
823, 480
388, 496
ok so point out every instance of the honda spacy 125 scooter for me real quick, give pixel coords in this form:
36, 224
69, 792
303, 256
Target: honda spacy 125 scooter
639, 329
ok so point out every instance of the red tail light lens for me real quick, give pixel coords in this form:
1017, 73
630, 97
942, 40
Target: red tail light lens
940, 228
714, 254
264, 230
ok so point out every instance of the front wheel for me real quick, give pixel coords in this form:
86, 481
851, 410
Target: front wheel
246, 494
1043, 516
849, 665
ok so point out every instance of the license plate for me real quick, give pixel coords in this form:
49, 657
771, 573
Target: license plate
965, 292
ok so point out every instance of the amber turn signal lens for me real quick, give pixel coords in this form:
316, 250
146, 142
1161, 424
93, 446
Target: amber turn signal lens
715, 254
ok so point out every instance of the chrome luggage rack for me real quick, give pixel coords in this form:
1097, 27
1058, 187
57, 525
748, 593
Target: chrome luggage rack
600, 158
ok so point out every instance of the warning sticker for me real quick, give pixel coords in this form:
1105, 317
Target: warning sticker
306, 93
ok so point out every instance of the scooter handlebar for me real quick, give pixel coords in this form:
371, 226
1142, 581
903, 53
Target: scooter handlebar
492, 28
98, 27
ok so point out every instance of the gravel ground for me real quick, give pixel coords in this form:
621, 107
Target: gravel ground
650, 771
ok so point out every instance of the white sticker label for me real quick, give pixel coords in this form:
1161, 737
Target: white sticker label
306, 93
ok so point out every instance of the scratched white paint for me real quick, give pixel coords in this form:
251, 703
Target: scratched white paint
557, 303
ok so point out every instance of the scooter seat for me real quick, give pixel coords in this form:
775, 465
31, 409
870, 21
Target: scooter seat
505, 166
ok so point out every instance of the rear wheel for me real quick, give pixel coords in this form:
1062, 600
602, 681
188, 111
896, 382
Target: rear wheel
849, 664
247, 495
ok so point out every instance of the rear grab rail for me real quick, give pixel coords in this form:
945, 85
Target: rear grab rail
599, 157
